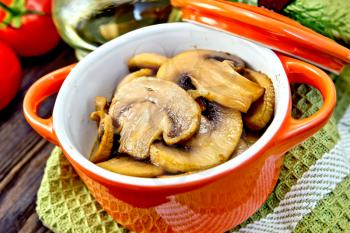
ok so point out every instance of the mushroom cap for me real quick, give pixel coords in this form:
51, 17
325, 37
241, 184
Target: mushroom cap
214, 77
241, 147
146, 60
141, 126
131, 167
261, 111
135, 75
236, 62
216, 140
147, 108
251, 137
103, 146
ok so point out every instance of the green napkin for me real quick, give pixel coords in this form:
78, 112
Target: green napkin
332, 212
64, 203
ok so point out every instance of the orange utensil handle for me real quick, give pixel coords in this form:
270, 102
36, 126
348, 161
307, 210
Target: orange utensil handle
295, 131
37, 93
272, 30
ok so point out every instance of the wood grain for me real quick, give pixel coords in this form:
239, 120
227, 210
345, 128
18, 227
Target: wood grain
24, 153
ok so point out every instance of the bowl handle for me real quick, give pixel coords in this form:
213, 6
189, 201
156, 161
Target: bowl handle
37, 93
295, 131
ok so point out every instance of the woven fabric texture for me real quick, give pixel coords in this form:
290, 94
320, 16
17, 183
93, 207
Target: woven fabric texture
317, 182
332, 214
65, 204
306, 101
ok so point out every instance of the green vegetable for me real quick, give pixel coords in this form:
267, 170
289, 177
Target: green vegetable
330, 18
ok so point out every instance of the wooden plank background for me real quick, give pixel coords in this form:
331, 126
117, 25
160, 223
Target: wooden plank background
23, 153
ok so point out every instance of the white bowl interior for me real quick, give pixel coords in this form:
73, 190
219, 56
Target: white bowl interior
99, 73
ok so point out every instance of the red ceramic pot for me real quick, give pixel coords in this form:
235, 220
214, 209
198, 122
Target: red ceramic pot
218, 198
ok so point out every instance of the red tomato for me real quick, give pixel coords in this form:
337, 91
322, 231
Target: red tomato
27, 26
10, 75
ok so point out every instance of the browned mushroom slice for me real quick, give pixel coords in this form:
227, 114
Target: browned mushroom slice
236, 62
135, 75
177, 175
212, 78
147, 108
146, 60
251, 138
140, 128
241, 147
261, 111
216, 140
130, 167
103, 146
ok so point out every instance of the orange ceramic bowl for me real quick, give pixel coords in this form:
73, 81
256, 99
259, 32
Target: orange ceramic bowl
213, 200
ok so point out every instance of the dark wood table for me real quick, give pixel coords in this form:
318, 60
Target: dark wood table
23, 153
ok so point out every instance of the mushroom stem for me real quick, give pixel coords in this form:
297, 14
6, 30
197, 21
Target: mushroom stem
214, 77
103, 147
146, 60
146, 109
261, 111
130, 167
135, 75
216, 140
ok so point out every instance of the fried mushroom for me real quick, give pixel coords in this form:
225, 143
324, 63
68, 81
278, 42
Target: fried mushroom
241, 147
261, 111
135, 75
218, 136
234, 61
140, 129
214, 76
146, 60
103, 146
147, 109
250, 138
130, 167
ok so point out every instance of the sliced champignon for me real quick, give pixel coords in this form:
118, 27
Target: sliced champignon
177, 175
216, 140
103, 146
146, 60
241, 147
146, 109
251, 138
130, 167
135, 75
213, 76
261, 111
140, 128
234, 61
